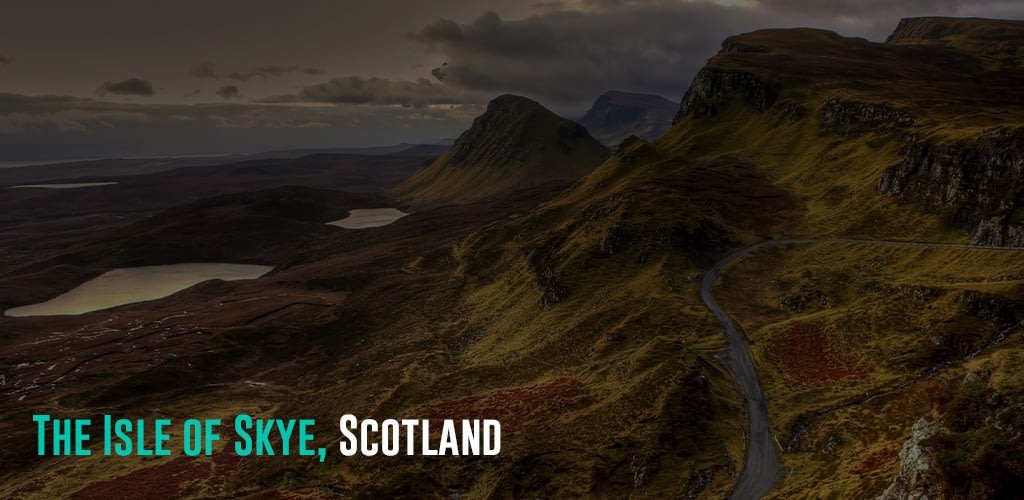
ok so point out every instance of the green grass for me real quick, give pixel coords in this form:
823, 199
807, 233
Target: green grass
887, 308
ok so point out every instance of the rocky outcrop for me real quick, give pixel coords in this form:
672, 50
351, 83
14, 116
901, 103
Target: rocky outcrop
854, 118
1001, 312
976, 184
711, 86
916, 479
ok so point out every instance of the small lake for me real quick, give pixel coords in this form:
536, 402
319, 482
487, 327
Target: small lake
136, 284
362, 218
69, 185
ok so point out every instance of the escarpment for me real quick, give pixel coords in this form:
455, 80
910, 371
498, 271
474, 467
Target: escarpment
712, 86
977, 183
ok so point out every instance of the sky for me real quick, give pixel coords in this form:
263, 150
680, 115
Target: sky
128, 78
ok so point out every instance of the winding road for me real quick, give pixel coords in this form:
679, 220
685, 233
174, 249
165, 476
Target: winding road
762, 469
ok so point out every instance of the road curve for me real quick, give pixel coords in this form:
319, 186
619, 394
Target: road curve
761, 467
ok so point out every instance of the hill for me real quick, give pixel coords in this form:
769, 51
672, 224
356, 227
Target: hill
515, 144
615, 116
576, 316
872, 355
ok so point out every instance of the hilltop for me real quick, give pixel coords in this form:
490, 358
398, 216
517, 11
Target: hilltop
515, 144
616, 115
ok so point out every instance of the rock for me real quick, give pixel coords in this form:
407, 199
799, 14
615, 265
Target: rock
998, 310
854, 118
977, 183
916, 479
711, 86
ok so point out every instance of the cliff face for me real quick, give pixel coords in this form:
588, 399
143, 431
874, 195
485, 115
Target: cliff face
711, 86
854, 117
977, 183
928, 91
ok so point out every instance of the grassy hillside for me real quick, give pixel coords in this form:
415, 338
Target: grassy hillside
853, 342
516, 144
574, 315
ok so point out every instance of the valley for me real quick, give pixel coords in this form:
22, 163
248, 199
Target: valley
808, 285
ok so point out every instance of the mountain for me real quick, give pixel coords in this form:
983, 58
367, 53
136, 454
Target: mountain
823, 192
877, 357
514, 145
996, 41
615, 116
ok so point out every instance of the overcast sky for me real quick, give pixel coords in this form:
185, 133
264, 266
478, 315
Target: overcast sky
119, 77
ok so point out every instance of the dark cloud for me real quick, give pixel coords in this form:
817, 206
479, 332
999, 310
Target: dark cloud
228, 92
575, 50
439, 73
381, 92
209, 70
131, 86
553, 5
5, 60
38, 127
872, 8
573, 56
204, 70
561, 52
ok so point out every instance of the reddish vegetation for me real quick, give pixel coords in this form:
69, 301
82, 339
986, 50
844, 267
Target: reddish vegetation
302, 494
224, 464
810, 355
30, 487
161, 481
166, 480
875, 461
519, 409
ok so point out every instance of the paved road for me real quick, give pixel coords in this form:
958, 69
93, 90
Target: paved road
761, 467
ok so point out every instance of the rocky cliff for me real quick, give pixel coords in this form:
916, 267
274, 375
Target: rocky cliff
977, 183
712, 86
938, 95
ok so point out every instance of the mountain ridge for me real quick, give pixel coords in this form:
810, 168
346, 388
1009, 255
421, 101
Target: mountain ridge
616, 115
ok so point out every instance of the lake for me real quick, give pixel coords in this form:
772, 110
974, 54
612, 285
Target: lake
136, 284
362, 218
69, 185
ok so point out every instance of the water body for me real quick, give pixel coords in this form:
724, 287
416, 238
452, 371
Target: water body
136, 284
362, 218
70, 185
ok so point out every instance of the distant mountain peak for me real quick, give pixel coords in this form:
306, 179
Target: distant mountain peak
515, 144
615, 115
